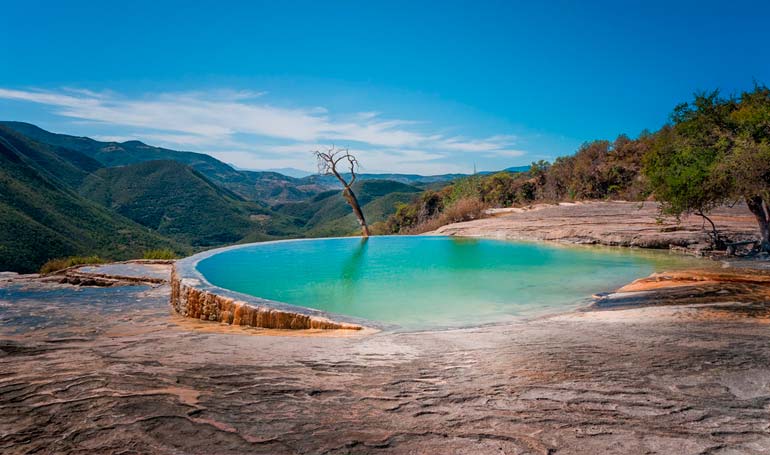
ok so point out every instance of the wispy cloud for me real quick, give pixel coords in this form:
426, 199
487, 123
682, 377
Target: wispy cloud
241, 125
489, 144
507, 153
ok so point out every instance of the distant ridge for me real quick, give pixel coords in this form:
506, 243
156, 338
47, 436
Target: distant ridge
267, 186
271, 186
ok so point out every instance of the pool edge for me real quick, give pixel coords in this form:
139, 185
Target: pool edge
192, 296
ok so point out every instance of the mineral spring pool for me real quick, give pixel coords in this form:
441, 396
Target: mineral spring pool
420, 282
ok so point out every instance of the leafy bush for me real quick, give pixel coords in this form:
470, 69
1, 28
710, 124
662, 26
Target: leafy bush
54, 265
159, 254
467, 187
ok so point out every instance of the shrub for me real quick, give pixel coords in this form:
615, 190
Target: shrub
159, 254
466, 187
465, 209
378, 228
404, 218
54, 265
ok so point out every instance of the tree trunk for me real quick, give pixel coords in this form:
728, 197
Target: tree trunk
350, 196
758, 207
717, 241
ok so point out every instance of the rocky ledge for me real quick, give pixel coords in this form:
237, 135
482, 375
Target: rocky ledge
733, 293
616, 223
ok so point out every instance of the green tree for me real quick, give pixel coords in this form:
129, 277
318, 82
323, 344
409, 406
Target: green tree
716, 151
747, 168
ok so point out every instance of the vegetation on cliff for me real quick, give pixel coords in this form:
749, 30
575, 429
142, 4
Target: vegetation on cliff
598, 170
715, 151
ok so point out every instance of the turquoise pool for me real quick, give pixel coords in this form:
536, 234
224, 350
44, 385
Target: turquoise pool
419, 282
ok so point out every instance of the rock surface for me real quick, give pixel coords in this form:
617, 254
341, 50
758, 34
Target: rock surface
139, 271
112, 370
607, 223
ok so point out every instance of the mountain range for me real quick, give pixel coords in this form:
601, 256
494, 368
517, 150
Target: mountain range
265, 186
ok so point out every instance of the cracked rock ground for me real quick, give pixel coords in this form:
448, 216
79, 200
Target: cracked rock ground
111, 370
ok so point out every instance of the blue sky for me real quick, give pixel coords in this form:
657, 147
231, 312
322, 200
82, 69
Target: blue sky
426, 87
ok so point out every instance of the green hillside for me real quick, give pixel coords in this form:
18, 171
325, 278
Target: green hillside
41, 218
327, 214
66, 166
180, 203
122, 153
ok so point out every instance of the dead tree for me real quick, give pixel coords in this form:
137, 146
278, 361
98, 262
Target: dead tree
329, 162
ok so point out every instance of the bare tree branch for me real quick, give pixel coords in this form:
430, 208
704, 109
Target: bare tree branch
327, 165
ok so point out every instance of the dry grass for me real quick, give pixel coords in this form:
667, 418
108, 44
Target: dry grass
465, 209
54, 265
159, 254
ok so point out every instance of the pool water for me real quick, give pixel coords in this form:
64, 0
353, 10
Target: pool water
422, 282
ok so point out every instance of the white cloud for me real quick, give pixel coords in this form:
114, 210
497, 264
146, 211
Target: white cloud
248, 160
252, 133
507, 153
478, 145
